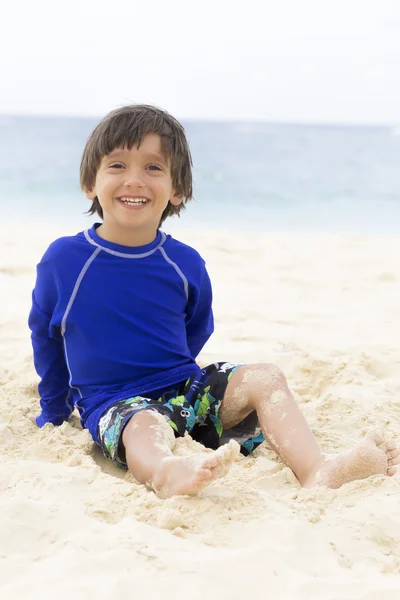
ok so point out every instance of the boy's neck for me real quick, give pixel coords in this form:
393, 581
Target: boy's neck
127, 237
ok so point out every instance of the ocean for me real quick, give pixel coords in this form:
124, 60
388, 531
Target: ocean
247, 176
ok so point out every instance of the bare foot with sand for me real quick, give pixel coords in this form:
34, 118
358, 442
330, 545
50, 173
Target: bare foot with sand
180, 475
373, 456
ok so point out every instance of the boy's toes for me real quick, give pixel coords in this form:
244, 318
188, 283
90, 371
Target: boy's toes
211, 461
393, 458
393, 462
376, 436
233, 449
391, 446
393, 454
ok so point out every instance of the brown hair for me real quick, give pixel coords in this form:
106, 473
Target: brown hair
126, 127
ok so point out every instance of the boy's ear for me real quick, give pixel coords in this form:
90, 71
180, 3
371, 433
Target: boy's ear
176, 198
90, 194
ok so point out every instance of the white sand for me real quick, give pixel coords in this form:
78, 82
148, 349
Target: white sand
325, 309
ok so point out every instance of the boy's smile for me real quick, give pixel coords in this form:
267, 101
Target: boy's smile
133, 202
133, 188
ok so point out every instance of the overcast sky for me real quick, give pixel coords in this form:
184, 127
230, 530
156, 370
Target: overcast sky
278, 60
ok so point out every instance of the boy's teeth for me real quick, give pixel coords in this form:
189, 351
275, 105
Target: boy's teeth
134, 200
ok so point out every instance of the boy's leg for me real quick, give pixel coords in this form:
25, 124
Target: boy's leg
148, 441
264, 388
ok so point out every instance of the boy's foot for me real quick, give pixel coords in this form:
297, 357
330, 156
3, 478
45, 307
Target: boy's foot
373, 456
179, 475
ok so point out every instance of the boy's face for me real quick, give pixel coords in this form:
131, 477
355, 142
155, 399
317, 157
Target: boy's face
134, 188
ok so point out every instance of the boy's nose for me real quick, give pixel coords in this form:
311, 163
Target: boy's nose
133, 179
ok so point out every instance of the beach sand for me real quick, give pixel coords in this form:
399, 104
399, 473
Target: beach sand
326, 310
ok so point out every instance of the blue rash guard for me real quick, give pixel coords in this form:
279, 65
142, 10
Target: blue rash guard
110, 322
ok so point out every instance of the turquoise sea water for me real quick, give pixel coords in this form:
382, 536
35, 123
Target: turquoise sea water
252, 176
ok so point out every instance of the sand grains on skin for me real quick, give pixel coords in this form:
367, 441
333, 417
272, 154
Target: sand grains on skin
372, 456
190, 474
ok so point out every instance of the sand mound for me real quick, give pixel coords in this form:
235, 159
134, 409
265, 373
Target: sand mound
72, 525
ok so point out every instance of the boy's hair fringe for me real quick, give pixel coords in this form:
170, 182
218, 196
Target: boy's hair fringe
126, 127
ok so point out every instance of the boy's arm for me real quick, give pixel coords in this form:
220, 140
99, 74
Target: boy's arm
199, 320
55, 398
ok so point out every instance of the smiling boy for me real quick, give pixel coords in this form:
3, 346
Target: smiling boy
120, 313
141, 207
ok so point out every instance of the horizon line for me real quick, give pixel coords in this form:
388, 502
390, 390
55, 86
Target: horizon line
248, 120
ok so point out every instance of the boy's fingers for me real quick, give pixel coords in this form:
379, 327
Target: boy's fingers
32, 417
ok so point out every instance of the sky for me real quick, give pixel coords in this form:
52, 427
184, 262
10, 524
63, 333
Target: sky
329, 61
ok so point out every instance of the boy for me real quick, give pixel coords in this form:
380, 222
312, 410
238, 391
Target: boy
121, 311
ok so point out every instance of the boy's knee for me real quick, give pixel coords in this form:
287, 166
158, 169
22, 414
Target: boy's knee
144, 420
263, 376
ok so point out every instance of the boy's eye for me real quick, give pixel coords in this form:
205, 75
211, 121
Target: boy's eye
154, 167
116, 166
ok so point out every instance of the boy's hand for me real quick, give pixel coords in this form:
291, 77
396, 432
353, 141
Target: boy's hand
32, 417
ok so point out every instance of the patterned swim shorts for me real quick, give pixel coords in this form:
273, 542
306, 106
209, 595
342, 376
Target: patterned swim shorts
192, 406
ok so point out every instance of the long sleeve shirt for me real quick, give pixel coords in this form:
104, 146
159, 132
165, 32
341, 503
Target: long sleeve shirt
110, 322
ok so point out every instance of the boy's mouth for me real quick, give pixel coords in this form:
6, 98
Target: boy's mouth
134, 202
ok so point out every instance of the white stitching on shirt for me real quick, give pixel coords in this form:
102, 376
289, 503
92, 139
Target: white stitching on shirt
177, 269
68, 309
123, 254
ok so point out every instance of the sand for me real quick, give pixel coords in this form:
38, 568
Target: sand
326, 310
